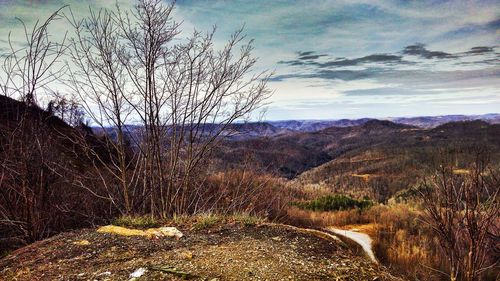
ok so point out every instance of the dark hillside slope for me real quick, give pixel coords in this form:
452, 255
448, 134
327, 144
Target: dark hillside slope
293, 153
12, 112
40, 158
281, 155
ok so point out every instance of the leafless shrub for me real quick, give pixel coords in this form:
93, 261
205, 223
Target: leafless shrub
462, 207
34, 199
243, 191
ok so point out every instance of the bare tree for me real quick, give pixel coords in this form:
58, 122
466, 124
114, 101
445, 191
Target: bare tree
33, 64
181, 95
27, 154
462, 207
97, 79
66, 109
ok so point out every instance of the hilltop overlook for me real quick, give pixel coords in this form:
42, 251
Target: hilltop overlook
249, 140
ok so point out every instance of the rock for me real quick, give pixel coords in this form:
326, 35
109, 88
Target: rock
82, 242
175, 271
151, 232
171, 231
113, 229
137, 273
105, 273
188, 255
164, 232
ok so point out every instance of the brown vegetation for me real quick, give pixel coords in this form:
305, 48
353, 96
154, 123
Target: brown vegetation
400, 241
449, 214
406, 244
463, 211
163, 112
124, 67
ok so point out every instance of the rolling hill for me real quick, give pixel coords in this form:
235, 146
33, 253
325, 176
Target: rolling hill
377, 158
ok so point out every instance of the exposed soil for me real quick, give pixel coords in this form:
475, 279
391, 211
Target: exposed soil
224, 252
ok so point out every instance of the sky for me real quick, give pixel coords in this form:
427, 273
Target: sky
346, 58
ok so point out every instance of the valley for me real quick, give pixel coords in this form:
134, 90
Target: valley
276, 174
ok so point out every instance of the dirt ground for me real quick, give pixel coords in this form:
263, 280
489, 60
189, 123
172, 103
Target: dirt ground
224, 252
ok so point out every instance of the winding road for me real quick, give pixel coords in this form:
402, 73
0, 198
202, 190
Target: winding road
362, 239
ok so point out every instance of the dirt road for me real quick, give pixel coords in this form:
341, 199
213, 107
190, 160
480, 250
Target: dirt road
362, 239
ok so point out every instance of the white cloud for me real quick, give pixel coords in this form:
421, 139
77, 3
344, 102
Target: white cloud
346, 28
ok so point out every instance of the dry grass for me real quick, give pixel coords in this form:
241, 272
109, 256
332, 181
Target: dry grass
365, 177
209, 220
310, 218
139, 225
240, 191
206, 220
369, 228
461, 171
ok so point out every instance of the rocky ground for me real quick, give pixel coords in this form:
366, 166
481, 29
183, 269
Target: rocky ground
233, 251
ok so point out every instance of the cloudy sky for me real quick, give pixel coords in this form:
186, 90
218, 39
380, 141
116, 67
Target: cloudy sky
349, 58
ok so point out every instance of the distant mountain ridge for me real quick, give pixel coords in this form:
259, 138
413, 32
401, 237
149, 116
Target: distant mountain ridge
419, 121
249, 130
435, 121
